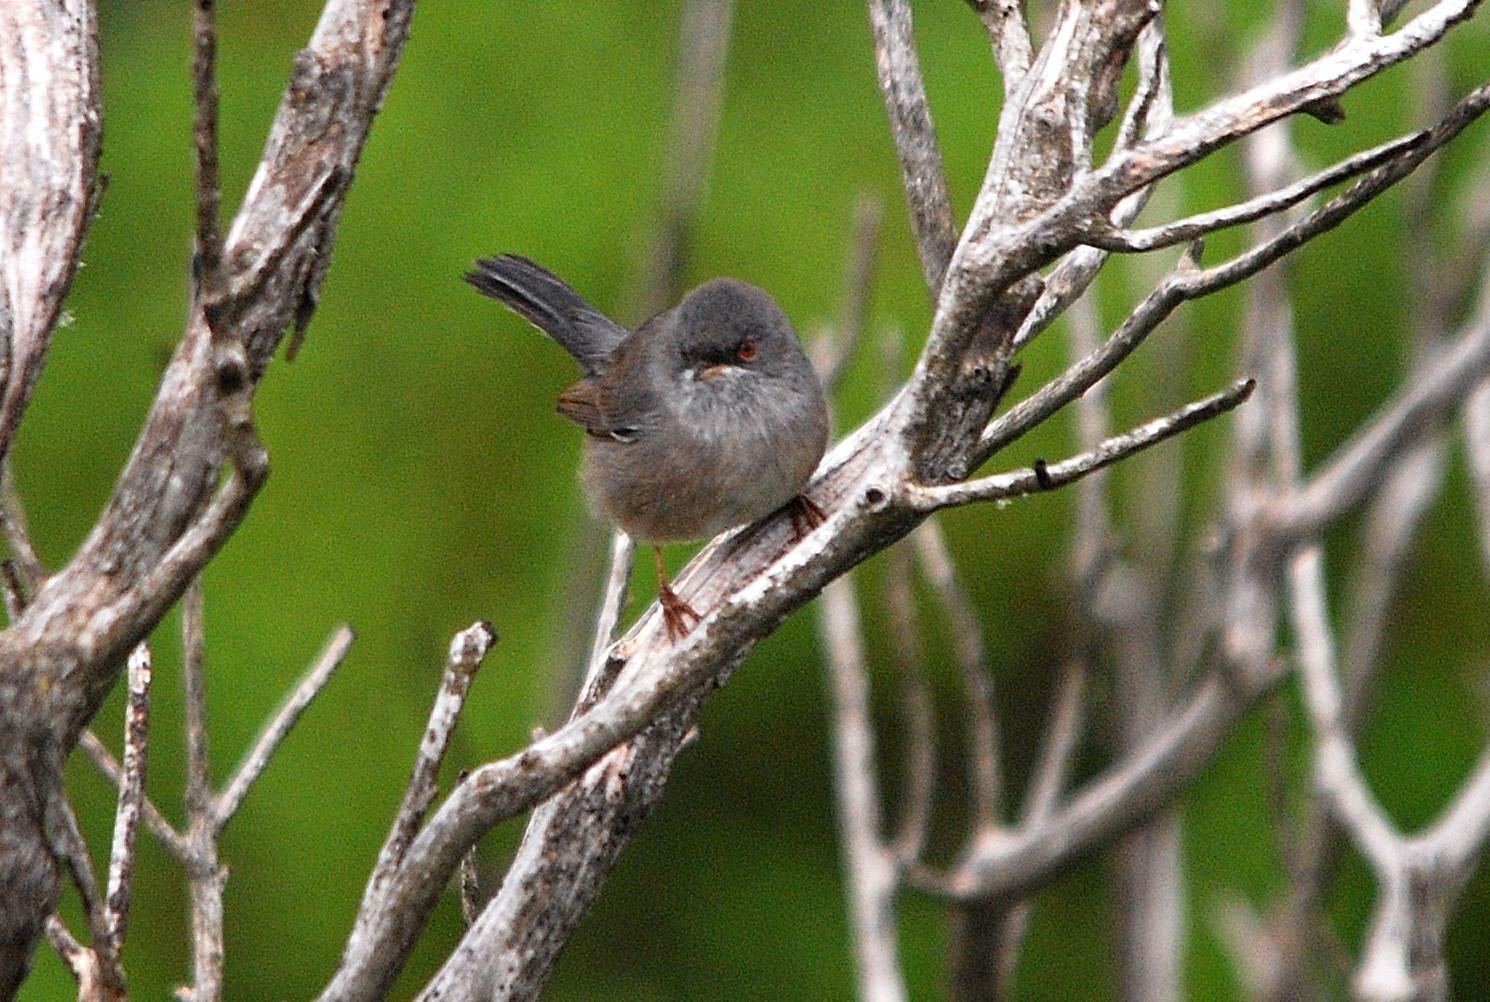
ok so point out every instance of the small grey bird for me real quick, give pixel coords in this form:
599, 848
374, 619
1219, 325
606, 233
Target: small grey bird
706, 417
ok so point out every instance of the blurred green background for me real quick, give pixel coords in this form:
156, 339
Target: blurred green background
421, 480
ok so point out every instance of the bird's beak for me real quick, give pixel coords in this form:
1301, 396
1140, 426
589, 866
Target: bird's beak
712, 372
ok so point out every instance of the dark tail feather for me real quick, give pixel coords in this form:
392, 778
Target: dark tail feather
548, 303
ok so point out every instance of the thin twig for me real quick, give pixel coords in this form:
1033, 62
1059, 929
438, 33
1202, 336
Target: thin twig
72, 851
257, 758
833, 350
869, 865
17, 533
194, 674
1477, 446
1189, 281
921, 169
206, 877
1181, 231
175, 569
468, 649
204, 135
164, 832
1011, 865
698, 95
1363, 17
1355, 469
1044, 477
612, 604
970, 651
81, 961
918, 714
919, 784
1048, 778
1149, 113
1010, 35
131, 796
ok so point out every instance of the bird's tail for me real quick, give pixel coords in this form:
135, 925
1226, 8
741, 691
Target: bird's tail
548, 302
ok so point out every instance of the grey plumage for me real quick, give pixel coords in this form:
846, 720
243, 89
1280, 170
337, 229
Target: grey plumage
706, 417
548, 302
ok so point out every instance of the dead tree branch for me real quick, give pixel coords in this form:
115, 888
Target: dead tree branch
1047, 207
163, 522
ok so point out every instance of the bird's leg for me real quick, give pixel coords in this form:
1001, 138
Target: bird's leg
676, 613
805, 516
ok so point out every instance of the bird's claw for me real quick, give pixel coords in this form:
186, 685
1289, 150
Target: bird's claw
805, 516
678, 617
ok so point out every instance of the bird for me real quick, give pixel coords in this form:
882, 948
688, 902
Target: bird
706, 417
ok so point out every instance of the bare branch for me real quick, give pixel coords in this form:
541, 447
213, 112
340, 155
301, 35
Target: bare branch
204, 135
703, 46
1011, 866
1051, 772
470, 888
1043, 477
1460, 834
1010, 35
361, 964
49, 147
910, 661
1189, 281
467, 651
599, 677
1181, 231
124, 577
1477, 445
915, 702
81, 961
995, 257
1195, 136
831, 352
1363, 17
70, 850
194, 673
984, 774
131, 797
206, 879
1356, 468
15, 590
1058, 746
921, 169
870, 870
163, 521
1421, 877
1336, 774
165, 833
226, 804
205, 876
1151, 111
17, 533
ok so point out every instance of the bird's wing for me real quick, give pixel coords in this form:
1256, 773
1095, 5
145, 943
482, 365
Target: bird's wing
625, 401
548, 302
590, 404
580, 403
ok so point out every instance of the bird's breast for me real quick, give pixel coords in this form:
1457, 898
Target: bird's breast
707, 467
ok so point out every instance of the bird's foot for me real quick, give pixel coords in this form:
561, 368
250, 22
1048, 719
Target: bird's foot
805, 516
678, 616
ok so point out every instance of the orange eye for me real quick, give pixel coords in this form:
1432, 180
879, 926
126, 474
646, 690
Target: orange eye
746, 349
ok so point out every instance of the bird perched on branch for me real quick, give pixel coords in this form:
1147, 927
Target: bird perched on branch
708, 416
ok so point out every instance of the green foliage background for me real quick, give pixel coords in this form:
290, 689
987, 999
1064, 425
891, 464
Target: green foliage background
421, 480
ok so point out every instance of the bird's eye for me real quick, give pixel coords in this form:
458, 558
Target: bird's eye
746, 350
